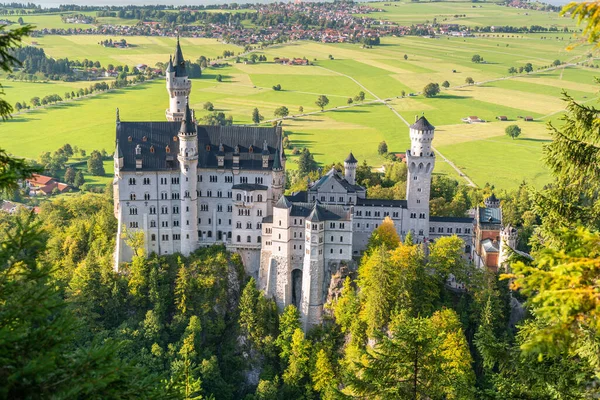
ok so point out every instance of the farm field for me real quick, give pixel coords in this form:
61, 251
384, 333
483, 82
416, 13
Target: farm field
480, 151
465, 13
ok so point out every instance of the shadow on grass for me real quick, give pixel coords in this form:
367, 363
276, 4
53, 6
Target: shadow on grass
534, 140
452, 97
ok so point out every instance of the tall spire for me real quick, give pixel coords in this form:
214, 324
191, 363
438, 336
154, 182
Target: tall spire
187, 125
179, 61
170, 67
277, 160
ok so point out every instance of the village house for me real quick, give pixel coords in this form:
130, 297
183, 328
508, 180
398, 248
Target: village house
41, 185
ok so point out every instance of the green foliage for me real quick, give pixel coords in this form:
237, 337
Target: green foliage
281, 112
322, 101
256, 117
382, 148
258, 318
513, 131
431, 90
476, 58
289, 322
385, 235
421, 358
469, 80
208, 106
95, 165
306, 162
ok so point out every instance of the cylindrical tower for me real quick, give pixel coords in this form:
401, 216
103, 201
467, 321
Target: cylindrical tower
508, 242
350, 164
420, 160
178, 85
188, 163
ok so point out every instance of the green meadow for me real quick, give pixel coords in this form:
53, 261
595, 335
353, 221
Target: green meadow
480, 151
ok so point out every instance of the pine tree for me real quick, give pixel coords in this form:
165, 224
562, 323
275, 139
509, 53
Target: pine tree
79, 180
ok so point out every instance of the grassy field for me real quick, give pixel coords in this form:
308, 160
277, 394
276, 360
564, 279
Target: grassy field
481, 151
466, 13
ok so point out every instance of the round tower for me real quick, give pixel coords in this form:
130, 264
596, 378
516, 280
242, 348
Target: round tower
420, 160
278, 185
350, 164
188, 182
508, 242
492, 202
178, 85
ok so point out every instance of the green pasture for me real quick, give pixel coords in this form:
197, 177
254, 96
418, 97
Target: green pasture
145, 49
481, 151
451, 12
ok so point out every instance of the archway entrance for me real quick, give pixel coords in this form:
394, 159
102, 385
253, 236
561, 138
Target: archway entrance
296, 287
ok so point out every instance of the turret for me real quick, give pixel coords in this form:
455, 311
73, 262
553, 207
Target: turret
178, 85
278, 172
492, 202
188, 163
313, 270
420, 160
508, 242
350, 164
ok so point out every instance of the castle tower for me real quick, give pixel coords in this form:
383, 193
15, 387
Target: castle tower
508, 242
492, 202
188, 163
420, 160
350, 164
278, 177
313, 270
178, 86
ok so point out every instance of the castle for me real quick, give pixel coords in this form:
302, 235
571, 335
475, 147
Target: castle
187, 186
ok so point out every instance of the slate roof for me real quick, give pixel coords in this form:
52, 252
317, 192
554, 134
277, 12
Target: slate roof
301, 196
324, 212
342, 181
249, 187
381, 203
179, 61
350, 159
159, 135
489, 246
422, 125
268, 219
490, 215
464, 220
283, 202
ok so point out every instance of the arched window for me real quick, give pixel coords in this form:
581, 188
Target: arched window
239, 239
248, 239
132, 196
238, 197
258, 239
259, 197
168, 149
151, 149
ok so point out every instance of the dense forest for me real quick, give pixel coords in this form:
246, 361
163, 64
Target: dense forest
197, 327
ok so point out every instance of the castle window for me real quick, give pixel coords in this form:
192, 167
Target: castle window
146, 196
151, 149
168, 149
175, 223
259, 213
238, 197
258, 239
449, 230
133, 224
331, 251
248, 239
340, 251
174, 138
431, 229
341, 199
153, 237
132, 196
421, 232
165, 224
332, 198
209, 233
132, 181
440, 230
129, 138
144, 139
133, 211
152, 210
175, 210
251, 149
152, 224
208, 147
341, 239
238, 225
418, 201
458, 230
146, 181
239, 238
259, 198
248, 225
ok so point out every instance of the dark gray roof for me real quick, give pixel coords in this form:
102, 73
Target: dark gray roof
187, 125
422, 125
159, 135
316, 215
268, 219
277, 160
490, 246
350, 159
464, 220
324, 212
179, 61
490, 215
301, 197
335, 174
249, 187
381, 203
283, 202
